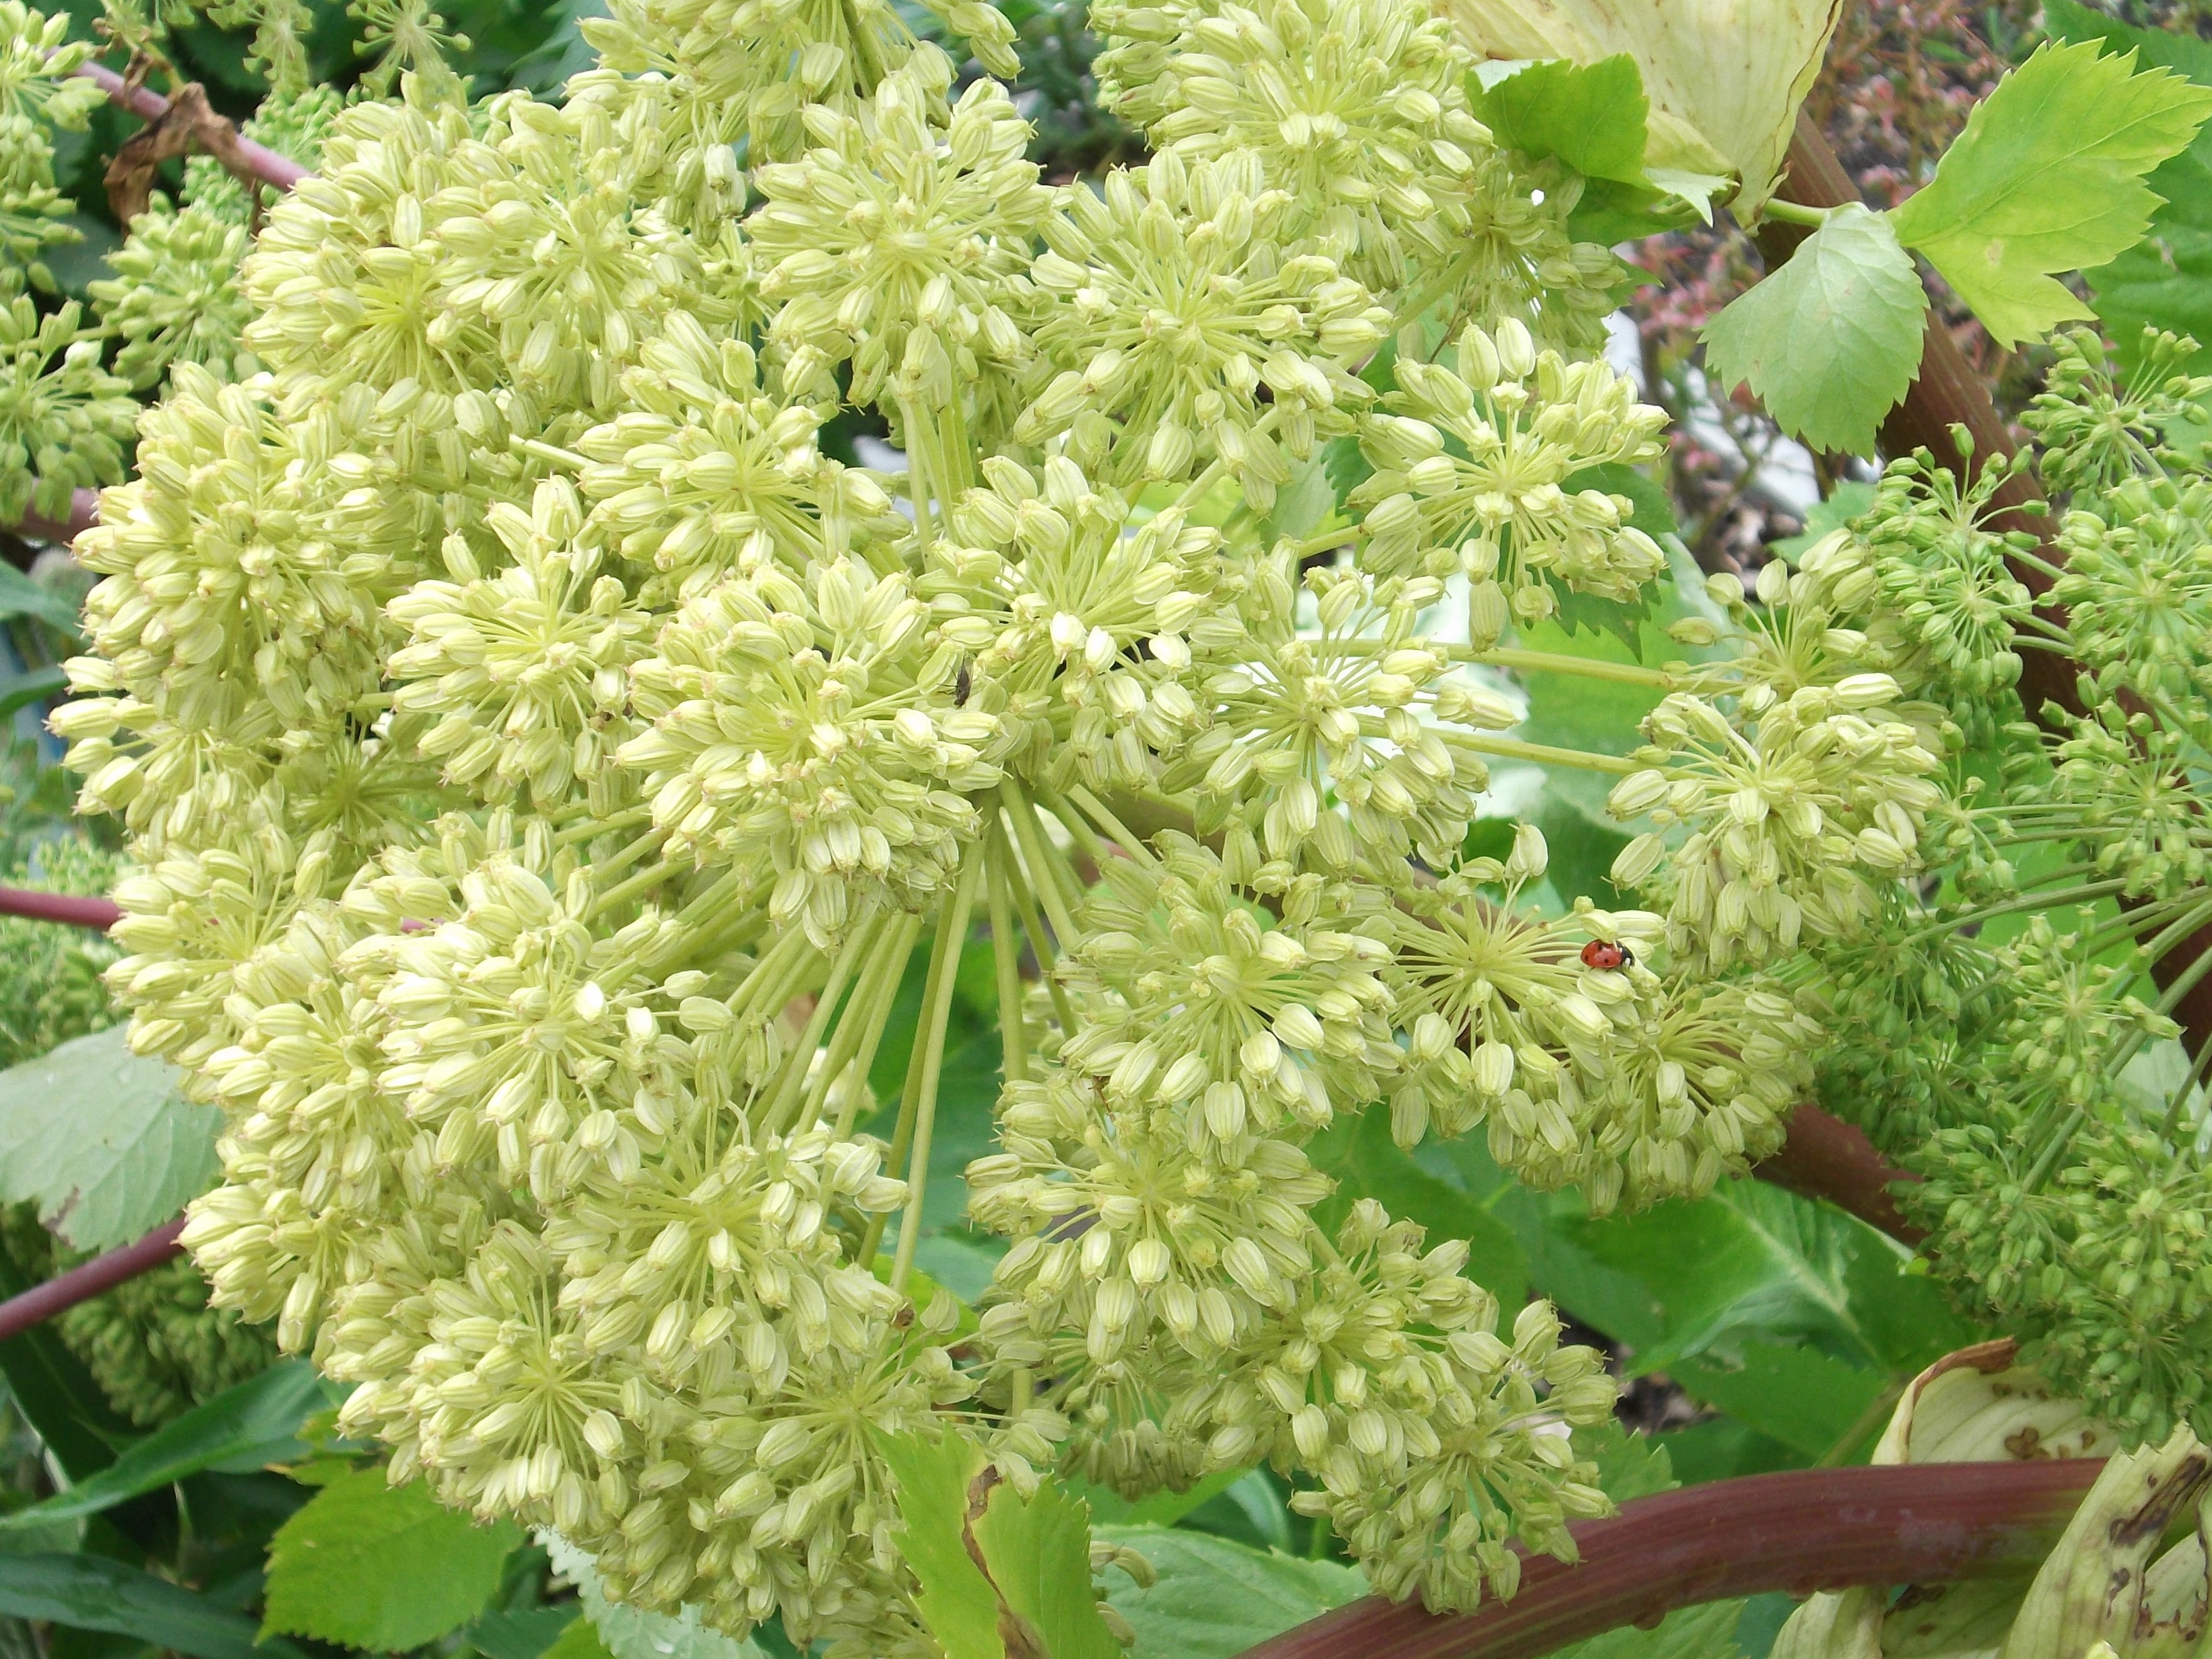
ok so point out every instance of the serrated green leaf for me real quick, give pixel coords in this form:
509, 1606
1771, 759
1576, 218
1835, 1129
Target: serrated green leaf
1215, 1598
2165, 281
957, 1601
2049, 176
1038, 1550
1629, 1466
242, 1429
627, 1633
1830, 342
1591, 116
90, 1592
1699, 1632
102, 1140
380, 1566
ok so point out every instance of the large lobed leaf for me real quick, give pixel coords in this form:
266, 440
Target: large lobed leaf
1830, 342
2049, 176
102, 1140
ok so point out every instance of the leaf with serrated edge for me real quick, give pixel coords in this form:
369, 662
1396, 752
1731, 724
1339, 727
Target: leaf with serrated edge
383, 1567
102, 1140
1215, 1598
1039, 1554
1830, 342
628, 1633
957, 1601
2049, 176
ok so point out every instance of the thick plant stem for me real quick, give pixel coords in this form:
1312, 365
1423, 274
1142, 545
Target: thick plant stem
1806, 1530
277, 172
97, 914
94, 1277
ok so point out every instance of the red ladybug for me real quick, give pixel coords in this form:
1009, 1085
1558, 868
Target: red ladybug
1602, 954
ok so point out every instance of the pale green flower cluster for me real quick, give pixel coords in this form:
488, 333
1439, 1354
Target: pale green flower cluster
544, 762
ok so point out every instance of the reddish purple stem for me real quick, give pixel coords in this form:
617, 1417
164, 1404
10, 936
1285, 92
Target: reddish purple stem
279, 172
96, 912
101, 1274
1806, 1530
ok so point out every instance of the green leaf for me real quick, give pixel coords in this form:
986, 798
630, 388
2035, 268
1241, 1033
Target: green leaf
22, 596
1591, 116
627, 1633
1699, 1632
579, 1639
31, 686
56, 1394
1830, 342
2049, 176
375, 1565
1358, 1153
1845, 502
2165, 281
102, 1140
1038, 1552
957, 1601
1629, 1466
1159, 1508
240, 1430
90, 1592
523, 1634
1789, 1314
1215, 1598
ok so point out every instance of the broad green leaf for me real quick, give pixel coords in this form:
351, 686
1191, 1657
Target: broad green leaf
31, 686
1725, 76
578, 1638
1038, 1552
1735, 1297
2165, 281
1699, 1632
1159, 1508
102, 1140
90, 1592
1591, 116
1845, 502
22, 596
1629, 1466
56, 1394
1358, 1153
375, 1565
626, 1633
242, 1429
1723, 1448
1830, 342
957, 1601
523, 1634
2049, 176
1215, 1598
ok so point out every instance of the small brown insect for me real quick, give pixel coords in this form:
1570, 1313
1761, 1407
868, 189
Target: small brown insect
963, 683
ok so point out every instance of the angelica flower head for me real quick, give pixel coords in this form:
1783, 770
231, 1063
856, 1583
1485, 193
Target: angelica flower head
1495, 501
1170, 302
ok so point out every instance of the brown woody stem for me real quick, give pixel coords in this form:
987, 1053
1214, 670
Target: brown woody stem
1807, 1530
